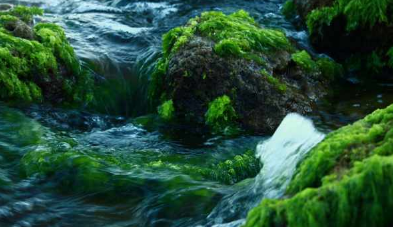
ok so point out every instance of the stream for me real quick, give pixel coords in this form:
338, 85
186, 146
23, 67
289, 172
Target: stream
119, 41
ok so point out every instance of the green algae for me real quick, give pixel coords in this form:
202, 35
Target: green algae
239, 35
304, 60
361, 198
234, 170
274, 81
289, 9
343, 147
329, 68
220, 114
25, 64
351, 168
166, 110
358, 13
24, 13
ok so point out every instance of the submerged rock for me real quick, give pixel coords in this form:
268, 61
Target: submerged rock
356, 32
227, 72
37, 62
347, 180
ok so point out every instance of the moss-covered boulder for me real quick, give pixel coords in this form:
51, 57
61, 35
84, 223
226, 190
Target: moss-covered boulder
37, 62
227, 72
347, 180
356, 32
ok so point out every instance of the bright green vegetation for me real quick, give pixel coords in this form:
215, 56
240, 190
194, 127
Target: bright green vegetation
232, 171
304, 60
274, 81
25, 65
351, 169
24, 13
166, 110
361, 198
358, 13
372, 135
220, 114
289, 9
239, 35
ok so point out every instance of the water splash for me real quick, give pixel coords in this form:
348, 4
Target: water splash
280, 154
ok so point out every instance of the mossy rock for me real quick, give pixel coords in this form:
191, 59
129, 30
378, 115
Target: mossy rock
226, 72
355, 32
347, 180
37, 63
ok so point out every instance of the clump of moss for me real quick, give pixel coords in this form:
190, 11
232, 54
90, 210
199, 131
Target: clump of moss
230, 171
289, 9
235, 170
220, 114
329, 68
239, 35
351, 168
166, 110
26, 65
274, 81
358, 13
304, 60
24, 13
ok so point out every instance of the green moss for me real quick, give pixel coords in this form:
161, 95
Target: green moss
319, 18
345, 181
230, 171
304, 60
26, 63
329, 68
274, 81
239, 35
220, 114
345, 146
358, 13
234, 170
24, 13
166, 110
361, 198
289, 9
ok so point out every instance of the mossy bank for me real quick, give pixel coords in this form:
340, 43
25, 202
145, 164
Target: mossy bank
355, 32
227, 72
37, 63
347, 180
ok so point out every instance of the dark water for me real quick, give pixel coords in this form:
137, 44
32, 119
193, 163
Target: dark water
119, 41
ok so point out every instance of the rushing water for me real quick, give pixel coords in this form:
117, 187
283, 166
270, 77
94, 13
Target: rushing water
119, 41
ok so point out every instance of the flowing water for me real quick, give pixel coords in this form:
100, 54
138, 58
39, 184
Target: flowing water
119, 41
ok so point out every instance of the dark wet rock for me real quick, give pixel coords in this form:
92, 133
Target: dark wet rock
254, 90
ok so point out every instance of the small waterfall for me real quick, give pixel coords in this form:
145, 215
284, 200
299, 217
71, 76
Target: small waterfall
280, 154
